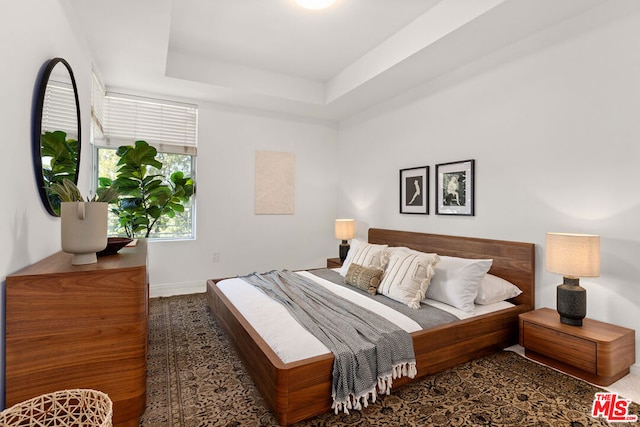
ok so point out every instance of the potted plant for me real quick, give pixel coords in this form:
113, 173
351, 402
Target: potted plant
145, 197
67, 191
83, 221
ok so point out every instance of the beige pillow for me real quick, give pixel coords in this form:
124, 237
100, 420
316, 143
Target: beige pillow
367, 279
365, 254
408, 275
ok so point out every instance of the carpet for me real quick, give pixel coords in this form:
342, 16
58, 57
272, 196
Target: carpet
194, 379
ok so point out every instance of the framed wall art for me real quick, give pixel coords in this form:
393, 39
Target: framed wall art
414, 190
455, 188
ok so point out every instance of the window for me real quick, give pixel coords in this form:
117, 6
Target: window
120, 119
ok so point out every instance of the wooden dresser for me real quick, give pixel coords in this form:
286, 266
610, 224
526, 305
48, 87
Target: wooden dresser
81, 326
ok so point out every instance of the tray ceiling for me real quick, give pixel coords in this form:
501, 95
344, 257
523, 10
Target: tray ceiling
277, 56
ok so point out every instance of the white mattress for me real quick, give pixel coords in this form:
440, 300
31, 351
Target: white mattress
270, 319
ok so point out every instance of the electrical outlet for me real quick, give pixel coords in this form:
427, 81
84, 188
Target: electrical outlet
215, 257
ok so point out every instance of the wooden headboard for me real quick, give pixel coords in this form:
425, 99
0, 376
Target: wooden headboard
513, 261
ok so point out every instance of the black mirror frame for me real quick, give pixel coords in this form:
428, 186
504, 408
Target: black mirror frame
37, 129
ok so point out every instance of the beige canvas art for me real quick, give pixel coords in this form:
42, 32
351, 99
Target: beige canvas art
275, 183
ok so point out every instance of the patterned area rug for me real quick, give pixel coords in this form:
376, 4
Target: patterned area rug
196, 379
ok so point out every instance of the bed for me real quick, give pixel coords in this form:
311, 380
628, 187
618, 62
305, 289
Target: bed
301, 389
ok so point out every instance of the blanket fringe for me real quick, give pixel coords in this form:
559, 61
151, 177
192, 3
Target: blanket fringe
384, 387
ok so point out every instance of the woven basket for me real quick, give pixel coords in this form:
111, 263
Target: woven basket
79, 407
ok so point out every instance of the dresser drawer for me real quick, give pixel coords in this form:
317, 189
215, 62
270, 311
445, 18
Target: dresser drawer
562, 347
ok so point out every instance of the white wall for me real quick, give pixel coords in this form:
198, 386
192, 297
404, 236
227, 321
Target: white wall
227, 141
27, 232
553, 125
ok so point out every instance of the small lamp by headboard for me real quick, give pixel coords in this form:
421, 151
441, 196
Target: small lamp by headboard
345, 229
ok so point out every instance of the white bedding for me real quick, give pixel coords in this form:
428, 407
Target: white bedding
269, 318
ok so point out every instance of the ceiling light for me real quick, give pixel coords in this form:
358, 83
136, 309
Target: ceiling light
315, 4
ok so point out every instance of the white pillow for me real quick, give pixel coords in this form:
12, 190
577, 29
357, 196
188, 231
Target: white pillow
495, 289
366, 255
407, 276
456, 281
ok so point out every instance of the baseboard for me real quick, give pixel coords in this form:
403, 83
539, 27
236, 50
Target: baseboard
171, 289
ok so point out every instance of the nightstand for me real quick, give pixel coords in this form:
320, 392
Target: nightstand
334, 263
597, 352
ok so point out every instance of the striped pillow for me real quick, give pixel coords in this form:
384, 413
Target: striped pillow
366, 255
408, 275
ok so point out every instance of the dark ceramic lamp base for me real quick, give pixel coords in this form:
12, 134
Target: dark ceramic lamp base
571, 300
344, 248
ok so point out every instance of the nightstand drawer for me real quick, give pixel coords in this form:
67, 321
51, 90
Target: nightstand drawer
562, 347
334, 263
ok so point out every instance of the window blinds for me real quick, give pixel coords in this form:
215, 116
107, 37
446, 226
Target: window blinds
171, 127
97, 108
59, 109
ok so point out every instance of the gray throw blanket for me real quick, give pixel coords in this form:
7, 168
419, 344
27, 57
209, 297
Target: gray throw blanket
369, 350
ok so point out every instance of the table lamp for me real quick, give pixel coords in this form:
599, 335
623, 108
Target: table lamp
573, 256
345, 230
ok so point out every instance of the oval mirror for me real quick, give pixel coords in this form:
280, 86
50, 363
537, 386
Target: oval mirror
56, 131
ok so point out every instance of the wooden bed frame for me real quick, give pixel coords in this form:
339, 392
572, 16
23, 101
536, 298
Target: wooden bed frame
302, 389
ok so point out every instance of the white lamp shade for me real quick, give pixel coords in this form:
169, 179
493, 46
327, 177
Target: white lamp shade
573, 255
345, 229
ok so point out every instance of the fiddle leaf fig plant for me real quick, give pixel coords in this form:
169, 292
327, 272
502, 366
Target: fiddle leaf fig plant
63, 154
145, 197
60, 162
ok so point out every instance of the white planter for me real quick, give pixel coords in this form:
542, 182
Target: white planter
84, 230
